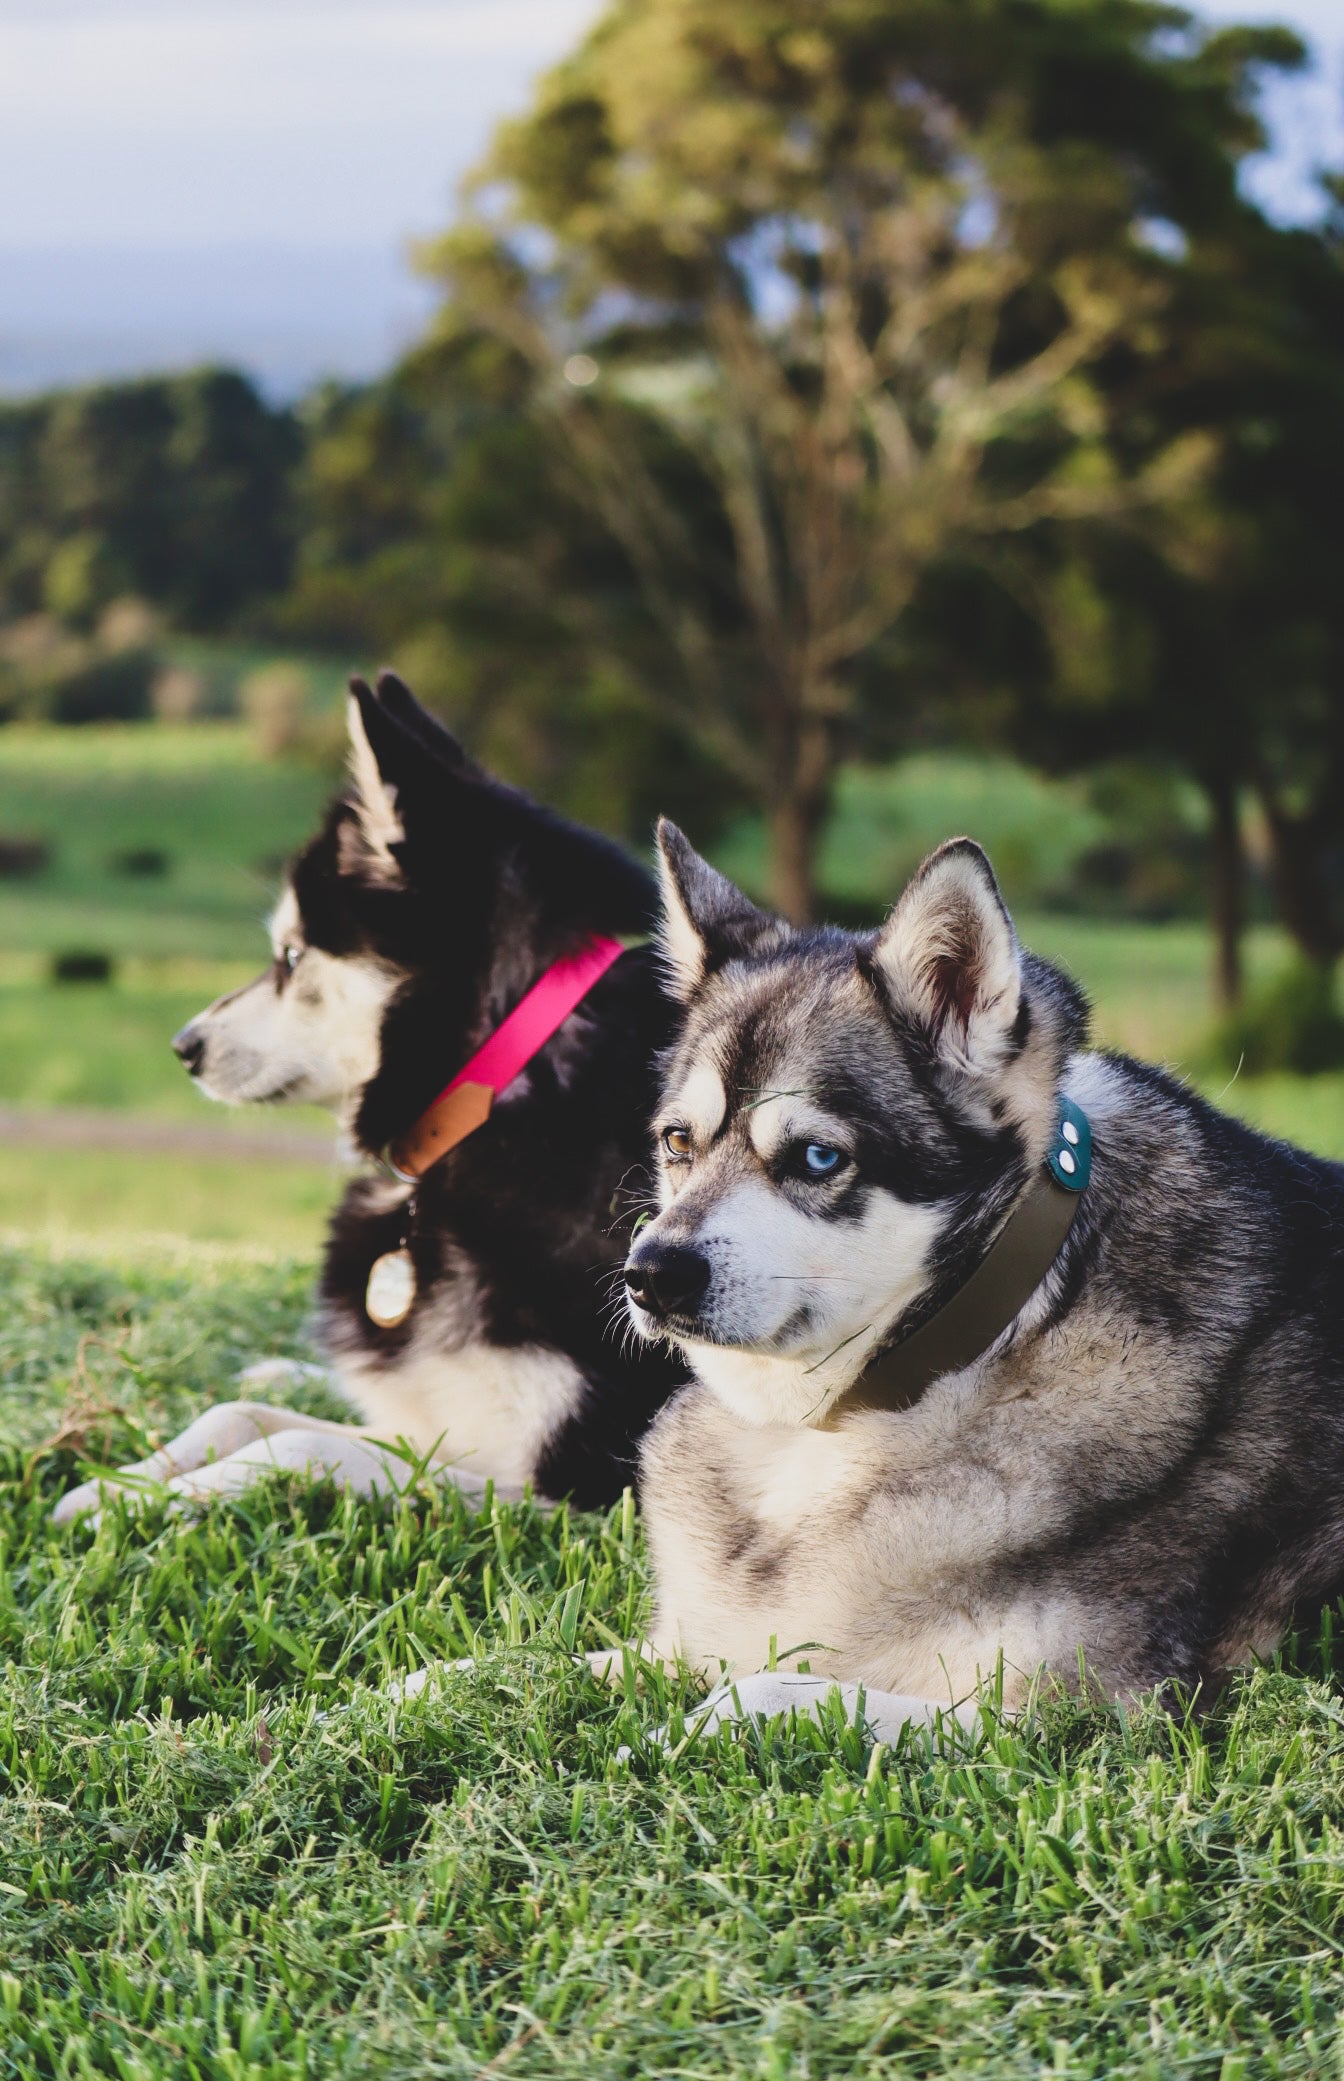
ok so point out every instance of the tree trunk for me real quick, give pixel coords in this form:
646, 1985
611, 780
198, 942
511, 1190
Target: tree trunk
799, 799
1227, 873
1302, 890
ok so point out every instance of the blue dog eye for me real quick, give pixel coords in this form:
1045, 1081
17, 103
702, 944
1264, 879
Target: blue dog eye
820, 1159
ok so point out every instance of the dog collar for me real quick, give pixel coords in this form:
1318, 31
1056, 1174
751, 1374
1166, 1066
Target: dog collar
997, 1290
464, 1105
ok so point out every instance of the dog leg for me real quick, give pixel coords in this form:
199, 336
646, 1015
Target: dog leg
214, 1435
235, 1443
770, 1694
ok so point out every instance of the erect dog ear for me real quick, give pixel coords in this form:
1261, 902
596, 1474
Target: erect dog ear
421, 730
706, 920
948, 958
375, 741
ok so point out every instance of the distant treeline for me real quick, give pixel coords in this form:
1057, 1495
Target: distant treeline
178, 490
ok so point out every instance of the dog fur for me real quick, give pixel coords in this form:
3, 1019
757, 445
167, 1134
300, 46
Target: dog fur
1143, 1476
430, 901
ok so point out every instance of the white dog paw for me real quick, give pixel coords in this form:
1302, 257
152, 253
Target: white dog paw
215, 1435
274, 1373
771, 1694
233, 1445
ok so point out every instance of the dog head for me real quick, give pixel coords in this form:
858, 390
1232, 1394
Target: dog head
843, 1117
431, 890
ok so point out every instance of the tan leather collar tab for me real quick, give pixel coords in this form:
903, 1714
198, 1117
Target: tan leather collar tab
450, 1120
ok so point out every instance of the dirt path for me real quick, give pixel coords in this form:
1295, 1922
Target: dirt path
67, 1127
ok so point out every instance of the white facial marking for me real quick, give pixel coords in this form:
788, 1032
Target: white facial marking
797, 1299
314, 1038
702, 1103
774, 1123
380, 826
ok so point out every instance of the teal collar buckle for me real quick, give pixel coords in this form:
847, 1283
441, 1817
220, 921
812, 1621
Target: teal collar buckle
1070, 1157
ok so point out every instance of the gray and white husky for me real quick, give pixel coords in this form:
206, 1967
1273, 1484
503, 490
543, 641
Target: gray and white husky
1140, 1473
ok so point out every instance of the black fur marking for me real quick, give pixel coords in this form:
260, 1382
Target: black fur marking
514, 1242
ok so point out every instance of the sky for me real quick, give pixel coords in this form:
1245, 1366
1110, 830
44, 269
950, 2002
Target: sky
241, 179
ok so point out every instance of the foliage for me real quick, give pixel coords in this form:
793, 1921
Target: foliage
174, 488
1291, 1023
874, 270
50, 673
200, 1874
437, 530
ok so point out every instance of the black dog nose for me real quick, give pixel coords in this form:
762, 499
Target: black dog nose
189, 1048
667, 1279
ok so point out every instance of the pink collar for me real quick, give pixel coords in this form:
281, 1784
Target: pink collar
464, 1105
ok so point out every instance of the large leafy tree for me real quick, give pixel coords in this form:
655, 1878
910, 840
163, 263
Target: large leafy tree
872, 276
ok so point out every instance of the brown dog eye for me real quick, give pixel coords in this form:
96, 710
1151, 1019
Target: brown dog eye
676, 1141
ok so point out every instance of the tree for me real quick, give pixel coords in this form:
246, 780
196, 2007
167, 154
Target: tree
1219, 645
175, 488
437, 531
869, 265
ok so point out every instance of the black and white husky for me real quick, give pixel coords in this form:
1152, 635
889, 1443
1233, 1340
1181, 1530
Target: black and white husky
430, 903
952, 1412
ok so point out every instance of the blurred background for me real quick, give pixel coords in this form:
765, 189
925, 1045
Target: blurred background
838, 425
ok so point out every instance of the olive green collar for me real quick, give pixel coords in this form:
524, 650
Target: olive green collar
996, 1291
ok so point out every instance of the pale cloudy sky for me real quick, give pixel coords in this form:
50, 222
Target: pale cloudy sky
240, 178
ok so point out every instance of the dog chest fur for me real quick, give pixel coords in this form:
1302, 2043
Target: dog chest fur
877, 1549
489, 1411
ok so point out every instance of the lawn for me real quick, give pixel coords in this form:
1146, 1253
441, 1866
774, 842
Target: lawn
225, 1853
222, 817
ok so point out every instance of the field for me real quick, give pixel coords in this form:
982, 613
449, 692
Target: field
227, 1853
214, 820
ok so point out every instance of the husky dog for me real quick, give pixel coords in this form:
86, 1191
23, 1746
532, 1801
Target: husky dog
1133, 1464
430, 903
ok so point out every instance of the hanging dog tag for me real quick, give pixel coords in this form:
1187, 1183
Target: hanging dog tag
390, 1293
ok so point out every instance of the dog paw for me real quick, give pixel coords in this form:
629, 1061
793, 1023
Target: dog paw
215, 1435
771, 1694
233, 1445
276, 1373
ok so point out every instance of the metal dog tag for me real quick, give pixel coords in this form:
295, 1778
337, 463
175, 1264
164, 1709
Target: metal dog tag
390, 1294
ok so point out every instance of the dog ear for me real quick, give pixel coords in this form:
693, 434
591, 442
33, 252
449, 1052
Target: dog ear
948, 957
368, 841
422, 731
706, 920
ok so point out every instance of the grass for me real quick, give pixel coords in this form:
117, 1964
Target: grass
225, 817
85, 1044
280, 1206
202, 1877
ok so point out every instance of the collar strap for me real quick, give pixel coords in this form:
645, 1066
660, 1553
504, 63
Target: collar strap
464, 1105
997, 1290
